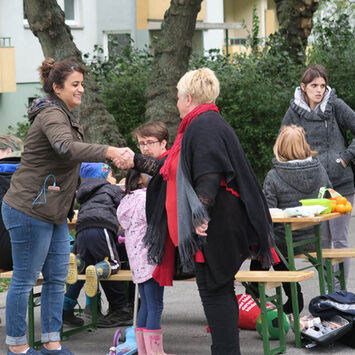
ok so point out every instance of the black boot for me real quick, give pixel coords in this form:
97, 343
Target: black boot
70, 318
288, 305
117, 318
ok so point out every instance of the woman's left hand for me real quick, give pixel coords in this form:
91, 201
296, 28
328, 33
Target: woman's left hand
343, 163
201, 229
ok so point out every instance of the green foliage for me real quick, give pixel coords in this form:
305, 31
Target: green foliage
254, 40
334, 48
20, 130
255, 89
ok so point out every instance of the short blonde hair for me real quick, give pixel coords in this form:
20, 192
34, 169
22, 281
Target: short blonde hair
291, 144
202, 84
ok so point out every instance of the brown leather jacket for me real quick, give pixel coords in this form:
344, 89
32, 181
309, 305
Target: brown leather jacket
53, 152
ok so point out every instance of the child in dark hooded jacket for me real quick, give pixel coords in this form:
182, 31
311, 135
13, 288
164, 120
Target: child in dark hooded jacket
95, 247
297, 174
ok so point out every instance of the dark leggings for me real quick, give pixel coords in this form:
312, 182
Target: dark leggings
221, 310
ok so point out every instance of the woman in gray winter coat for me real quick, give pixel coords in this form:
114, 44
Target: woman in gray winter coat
296, 175
325, 119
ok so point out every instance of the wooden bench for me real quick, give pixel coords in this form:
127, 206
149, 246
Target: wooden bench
332, 257
122, 275
273, 280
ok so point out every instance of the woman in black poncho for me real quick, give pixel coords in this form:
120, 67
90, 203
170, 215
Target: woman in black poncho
205, 200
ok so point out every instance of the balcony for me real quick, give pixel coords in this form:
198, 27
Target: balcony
7, 66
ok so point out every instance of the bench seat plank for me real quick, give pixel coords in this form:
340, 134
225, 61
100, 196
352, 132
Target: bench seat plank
273, 276
332, 253
122, 275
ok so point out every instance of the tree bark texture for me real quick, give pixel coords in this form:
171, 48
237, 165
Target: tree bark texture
47, 22
171, 56
296, 21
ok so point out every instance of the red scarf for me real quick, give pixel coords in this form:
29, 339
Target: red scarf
175, 149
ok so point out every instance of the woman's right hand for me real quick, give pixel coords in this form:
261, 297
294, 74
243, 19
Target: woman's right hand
202, 229
121, 157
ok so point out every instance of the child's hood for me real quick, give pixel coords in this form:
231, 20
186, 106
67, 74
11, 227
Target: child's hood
302, 175
93, 186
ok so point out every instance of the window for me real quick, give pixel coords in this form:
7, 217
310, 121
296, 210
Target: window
237, 41
30, 100
115, 42
71, 10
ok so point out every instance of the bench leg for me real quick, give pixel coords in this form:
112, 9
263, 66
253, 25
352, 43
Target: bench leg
264, 325
342, 276
330, 276
263, 314
320, 268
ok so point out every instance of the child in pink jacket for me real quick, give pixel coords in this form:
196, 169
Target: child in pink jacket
131, 216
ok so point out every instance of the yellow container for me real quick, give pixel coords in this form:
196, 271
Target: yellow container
318, 201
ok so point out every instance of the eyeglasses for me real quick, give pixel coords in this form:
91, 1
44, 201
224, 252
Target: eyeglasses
148, 144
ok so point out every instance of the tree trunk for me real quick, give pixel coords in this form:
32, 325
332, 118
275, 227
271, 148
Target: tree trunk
47, 22
296, 21
171, 56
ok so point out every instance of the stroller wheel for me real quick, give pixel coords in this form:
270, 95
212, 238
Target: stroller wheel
117, 337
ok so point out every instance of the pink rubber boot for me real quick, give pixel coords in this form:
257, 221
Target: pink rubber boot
140, 341
153, 340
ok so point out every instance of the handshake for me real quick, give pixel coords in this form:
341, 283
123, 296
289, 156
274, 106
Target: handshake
121, 157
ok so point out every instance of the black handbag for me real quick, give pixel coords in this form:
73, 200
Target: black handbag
179, 274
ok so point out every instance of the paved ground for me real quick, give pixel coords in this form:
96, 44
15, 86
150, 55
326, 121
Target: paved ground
185, 325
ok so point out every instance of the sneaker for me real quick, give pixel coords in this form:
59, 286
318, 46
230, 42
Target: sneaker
30, 351
69, 318
287, 307
116, 318
72, 277
62, 351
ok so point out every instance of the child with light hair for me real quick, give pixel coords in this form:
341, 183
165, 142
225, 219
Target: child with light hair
296, 174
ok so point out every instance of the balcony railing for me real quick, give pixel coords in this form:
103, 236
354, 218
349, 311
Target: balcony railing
5, 42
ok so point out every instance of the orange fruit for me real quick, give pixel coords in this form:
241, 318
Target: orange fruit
341, 200
334, 204
348, 207
340, 207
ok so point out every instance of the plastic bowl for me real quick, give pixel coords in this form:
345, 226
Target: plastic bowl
318, 201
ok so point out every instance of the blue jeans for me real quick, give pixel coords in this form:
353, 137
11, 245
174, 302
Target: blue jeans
335, 234
37, 247
149, 315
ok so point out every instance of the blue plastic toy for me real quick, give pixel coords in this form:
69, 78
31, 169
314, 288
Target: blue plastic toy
129, 347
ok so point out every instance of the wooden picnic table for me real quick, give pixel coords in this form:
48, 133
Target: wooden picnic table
296, 223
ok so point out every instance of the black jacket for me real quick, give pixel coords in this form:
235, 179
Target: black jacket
5, 244
98, 204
